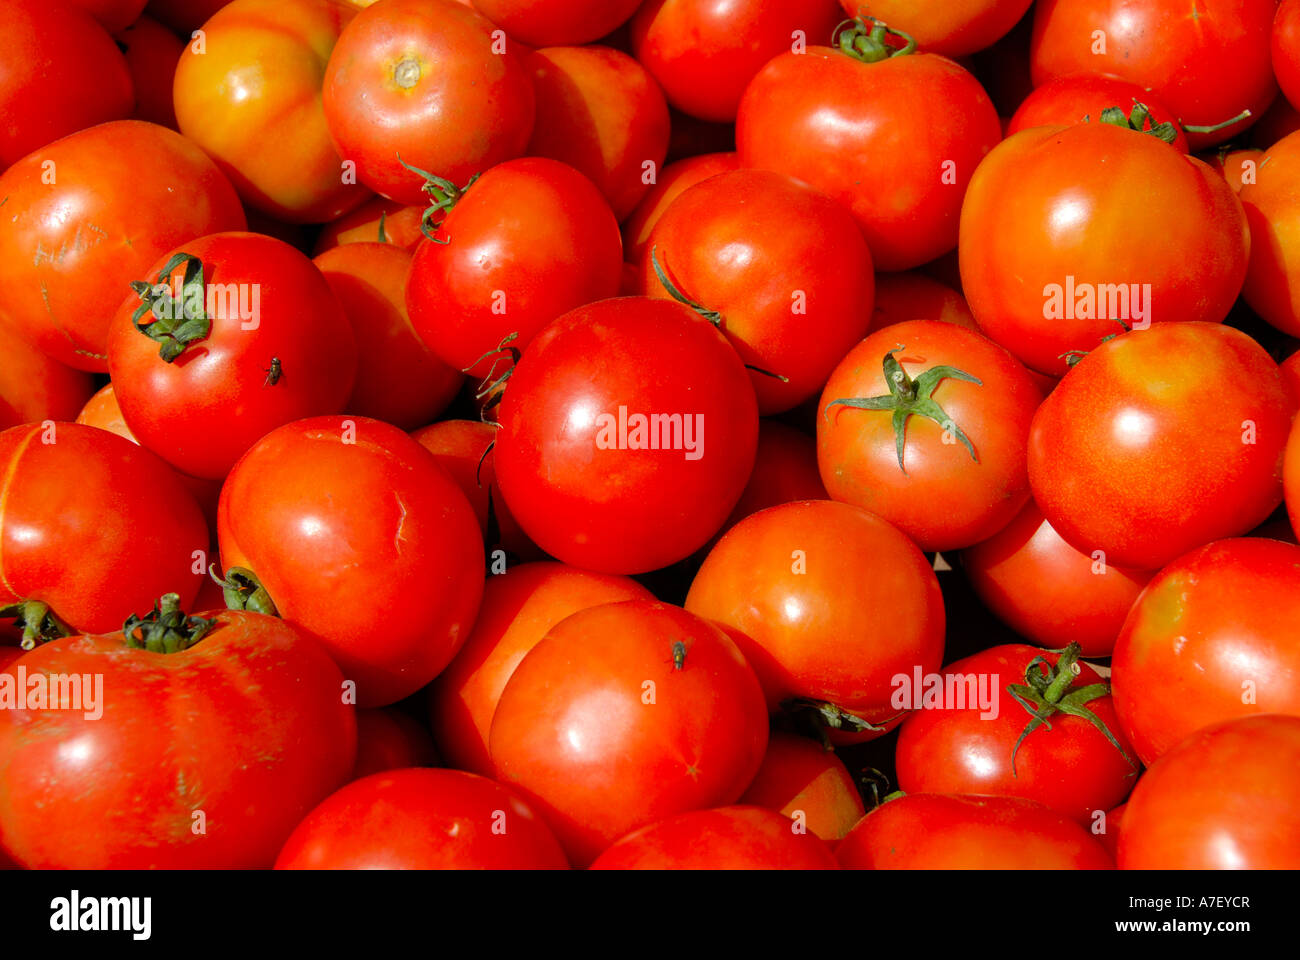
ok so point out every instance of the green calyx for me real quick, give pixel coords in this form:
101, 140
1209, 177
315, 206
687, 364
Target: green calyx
177, 321
1138, 119
242, 590
1049, 691
869, 41
443, 195
166, 629
493, 386
1072, 357
37, 621
826, 716
908, 397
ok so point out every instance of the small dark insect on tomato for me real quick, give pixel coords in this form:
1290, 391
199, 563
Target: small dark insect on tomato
274, 372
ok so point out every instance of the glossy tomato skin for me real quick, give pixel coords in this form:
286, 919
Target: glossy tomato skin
895, 141
1222, 799
60, 72
362, 539
550, 23
1110, 447
674, 180
599, 111
390, 739
1049, 592
857, 449
1052, 207
802, 779
422, 820
934, 832
33, 387
519, 608
1211, 638
704, 52
399, 379
1071, 768
601, 729
487, 275
1207, 66
93, 525
247, 727
833, 601
1285, 49
251, 98
1081, 97
954, 28
124, 194
727, 838
587, 490
1273, 282
152, 52
425, 81
785, 267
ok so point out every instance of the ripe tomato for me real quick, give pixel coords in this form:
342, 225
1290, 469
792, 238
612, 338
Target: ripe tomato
399, 379
152, 52
1285, 49
954, 28
519, 608
1273, 211
41, 102
931, 832
1052, 254
674, 180
960, 745
727, 838
553, 23
379, 220
425, 82
704, 52
1110, 448
113, 15
1049, 592
599, 111
205, 757
422, 820
1107, 830
184, 16
802, 779
278, 348
953, 436
1211, 638
251, 98
624, 715
389, 739
1239, 166
910, 295
93, 526
1222, 799
1084, 97
1291, 476
783, 269
33, 387
895, 140
487, 275
785, 470
604, 456
360, 537
806, 585
1208, 64
124, 194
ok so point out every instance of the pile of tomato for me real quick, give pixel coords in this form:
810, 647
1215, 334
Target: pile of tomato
649, 434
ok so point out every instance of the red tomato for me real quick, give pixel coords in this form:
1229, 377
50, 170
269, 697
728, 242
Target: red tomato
1082, 97
124, 194
929, 832
152, 52
785, 470
1273, 211
41, 103
426, 83
553, 23
113, 15
1211, 638
33, 387
628, 431
1223, 799
251, 98
1208, 64
895, 140
804, 583
1049, 592
1239, 166
953, 28
184, 16
361, 538
487, 275
399, 379
1106, 829
519, 608
93, 526
1291, 477
704, 52
728, 838
674, 180
205, 757
624, 715
389, 739
1131, 456
422, 820
914, 296
278, 348
376, 221
975, 738
599, 111
803, 780
1285, 48
1052, 253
